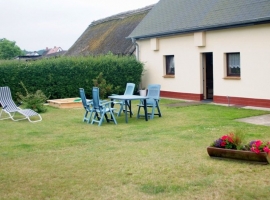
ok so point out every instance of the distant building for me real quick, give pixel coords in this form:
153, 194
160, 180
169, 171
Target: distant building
45, 53
28, 57
56, 51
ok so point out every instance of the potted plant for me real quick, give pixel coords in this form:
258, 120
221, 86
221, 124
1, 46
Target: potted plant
142, 91
230, 146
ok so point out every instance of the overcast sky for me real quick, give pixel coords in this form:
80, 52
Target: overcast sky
37, 24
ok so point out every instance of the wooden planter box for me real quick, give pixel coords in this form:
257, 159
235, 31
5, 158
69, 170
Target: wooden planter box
65, 103
262, 157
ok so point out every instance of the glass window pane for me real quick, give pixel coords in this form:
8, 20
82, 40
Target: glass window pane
233, 64
169, 65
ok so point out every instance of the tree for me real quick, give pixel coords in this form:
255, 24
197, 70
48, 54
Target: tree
9, 49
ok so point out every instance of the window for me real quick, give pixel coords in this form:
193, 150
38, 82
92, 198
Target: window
233, 64
169, 65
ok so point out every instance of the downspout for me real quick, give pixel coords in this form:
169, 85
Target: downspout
137, 48
137, 57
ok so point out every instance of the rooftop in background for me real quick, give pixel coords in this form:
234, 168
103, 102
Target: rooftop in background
109, 34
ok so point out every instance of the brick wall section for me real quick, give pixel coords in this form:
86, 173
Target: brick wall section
243, 101
180, 95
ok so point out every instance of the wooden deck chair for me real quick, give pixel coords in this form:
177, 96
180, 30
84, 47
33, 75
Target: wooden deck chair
100, 109
153, 94
129, 91
10, 108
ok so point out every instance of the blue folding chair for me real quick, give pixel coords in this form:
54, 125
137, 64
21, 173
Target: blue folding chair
100, 109
153, 94
129, 91
87, 104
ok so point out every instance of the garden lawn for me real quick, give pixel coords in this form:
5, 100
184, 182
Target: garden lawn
164, 158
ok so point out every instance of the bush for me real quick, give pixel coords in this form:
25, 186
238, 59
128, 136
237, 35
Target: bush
104, 88
62, 77
33, 101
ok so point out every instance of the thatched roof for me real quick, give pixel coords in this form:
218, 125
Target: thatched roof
109, 34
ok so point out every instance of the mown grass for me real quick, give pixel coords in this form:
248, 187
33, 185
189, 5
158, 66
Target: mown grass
165, 158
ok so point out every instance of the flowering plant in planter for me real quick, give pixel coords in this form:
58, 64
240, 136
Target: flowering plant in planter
229, 141
258, 146
230, 146
234, 141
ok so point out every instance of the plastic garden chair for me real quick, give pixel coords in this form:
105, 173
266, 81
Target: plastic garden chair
101, 109
129, 91
153, 94
87, 104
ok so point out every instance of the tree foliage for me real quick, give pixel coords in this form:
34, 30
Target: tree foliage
9, 49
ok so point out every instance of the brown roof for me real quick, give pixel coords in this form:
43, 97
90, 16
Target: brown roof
109, 34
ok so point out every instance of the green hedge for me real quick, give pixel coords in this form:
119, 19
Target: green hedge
62, 77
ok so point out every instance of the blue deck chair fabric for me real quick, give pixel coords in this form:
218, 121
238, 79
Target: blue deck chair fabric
87, 104
10, 108
129, 91
101, 109
153, 94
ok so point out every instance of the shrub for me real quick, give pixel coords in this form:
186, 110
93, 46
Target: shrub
104, 88
62, 77
34, 101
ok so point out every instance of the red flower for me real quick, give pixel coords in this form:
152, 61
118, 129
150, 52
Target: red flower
224, 137
266, 149
258, 143
255, 150
223, 144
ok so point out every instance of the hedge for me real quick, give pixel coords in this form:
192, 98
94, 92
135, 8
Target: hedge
62, 77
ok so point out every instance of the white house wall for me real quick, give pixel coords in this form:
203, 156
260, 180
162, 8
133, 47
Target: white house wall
254, 48
253, 44
186, 62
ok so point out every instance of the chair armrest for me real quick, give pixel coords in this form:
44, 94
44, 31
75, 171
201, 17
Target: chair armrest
105, 103
89, 101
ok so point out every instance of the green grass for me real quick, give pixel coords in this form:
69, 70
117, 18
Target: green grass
165, 158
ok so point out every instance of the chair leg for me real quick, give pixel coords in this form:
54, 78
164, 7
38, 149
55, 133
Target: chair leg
40, 119
106, 117
85, 117
159, 113
112, 115
9, 114
101, 119
138, 114
90, 117
120, 110
153, 112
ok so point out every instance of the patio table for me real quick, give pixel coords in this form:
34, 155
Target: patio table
127, 98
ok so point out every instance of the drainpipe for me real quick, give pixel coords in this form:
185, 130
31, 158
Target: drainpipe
137, 55
137, 48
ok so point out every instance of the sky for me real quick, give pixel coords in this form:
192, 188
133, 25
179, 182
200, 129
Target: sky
37, 24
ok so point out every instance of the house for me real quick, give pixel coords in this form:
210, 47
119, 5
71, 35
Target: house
36, 55
208, 49
109, 35
53, 52
29, 57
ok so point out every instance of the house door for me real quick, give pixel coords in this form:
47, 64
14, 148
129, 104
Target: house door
208, 76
